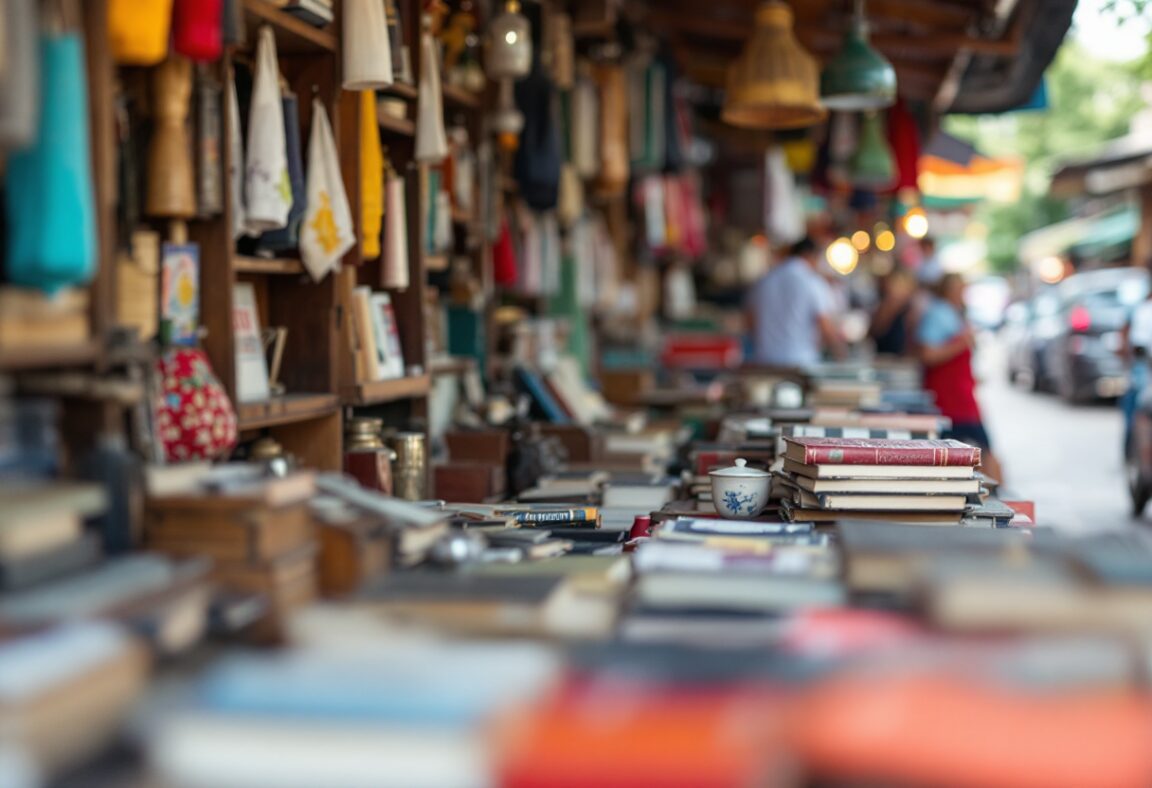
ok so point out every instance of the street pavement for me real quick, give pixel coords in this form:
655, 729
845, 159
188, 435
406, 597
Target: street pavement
1066, 458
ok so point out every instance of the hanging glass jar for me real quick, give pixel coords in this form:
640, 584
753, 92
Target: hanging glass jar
509, 44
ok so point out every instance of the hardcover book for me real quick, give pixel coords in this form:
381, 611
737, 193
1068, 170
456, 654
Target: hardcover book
251, 363
891, 472
865, 451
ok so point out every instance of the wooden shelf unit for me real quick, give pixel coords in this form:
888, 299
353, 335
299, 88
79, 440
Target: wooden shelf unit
401, 90
393, 126
458, 98
40, 357
243, 264
382, 391
286, 409
293, 36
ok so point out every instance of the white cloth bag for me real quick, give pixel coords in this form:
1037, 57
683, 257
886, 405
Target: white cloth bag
327, 232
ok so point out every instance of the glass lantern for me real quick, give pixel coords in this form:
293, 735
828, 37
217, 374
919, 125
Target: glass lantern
510, 44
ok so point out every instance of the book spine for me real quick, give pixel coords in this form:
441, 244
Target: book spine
568, 517
861, 455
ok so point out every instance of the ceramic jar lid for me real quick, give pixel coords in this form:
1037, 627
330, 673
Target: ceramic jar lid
740, 470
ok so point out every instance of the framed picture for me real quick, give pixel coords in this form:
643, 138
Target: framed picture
180, 292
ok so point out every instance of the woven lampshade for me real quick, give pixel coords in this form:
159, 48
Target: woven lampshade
774, 84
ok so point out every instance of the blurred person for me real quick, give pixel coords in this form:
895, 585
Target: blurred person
945, 342
931, 269
891, 320
790, 312
1136, 346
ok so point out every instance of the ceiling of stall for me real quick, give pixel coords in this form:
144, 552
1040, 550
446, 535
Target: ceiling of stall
958, 55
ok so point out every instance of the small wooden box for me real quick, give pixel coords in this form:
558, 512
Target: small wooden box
486, 446
469, 482
351, 554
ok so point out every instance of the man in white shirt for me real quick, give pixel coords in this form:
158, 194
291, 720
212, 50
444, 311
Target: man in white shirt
790, 312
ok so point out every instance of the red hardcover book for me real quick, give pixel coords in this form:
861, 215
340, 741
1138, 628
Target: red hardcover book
875, 451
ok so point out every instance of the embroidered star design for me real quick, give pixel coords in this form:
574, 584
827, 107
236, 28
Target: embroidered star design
324, 225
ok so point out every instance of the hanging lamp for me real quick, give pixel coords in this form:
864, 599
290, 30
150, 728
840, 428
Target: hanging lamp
774, 84
873, 166
509, 44
859, 78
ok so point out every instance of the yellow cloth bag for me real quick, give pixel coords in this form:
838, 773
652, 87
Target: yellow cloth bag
371, 177
138, 31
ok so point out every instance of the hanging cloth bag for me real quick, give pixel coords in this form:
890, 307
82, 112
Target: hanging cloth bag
51, 209
267, 182
431, 139
328, 232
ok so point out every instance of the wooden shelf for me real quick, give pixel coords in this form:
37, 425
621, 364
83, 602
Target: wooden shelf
293, 36
243, 264
380, 391
398, 126
436, 262
288, 409
452, 365
15, 359
460, 98
400, 90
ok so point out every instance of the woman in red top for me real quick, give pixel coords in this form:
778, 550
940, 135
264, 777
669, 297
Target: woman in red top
945, 341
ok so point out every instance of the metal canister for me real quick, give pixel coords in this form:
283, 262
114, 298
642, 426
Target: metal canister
410, 473
366, 457
364, 434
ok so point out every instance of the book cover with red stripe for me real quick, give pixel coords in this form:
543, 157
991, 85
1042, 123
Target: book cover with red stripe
876, 451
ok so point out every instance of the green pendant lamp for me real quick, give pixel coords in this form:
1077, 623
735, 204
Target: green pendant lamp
859, 78
774, 84
873, 165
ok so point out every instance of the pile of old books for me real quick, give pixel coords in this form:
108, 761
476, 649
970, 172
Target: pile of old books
924, 482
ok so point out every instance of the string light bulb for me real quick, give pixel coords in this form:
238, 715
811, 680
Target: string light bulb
861, 240
916, 223
842, 256
886, 240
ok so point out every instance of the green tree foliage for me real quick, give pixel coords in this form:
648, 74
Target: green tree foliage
1091, 101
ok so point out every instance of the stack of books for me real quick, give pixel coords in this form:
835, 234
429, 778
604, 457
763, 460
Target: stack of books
925, 482
65, 692
720, 582
258, 532
844, 393
42, 535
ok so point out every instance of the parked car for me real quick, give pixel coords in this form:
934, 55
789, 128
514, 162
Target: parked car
1029, 327
1084, 359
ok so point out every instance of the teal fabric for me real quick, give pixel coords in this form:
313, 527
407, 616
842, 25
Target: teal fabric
50, 204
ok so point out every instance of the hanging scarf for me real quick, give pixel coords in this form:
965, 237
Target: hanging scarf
371, 177
328, 231
235, 160
20, 81
431, 139
395, 270
267, 183
51, 209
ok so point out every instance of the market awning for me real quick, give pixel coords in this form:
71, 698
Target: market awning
1093, 236
1121, 164
983, 178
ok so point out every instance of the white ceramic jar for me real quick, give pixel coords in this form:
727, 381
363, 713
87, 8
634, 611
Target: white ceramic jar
740, 492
